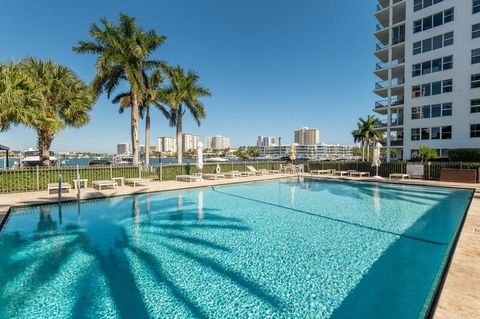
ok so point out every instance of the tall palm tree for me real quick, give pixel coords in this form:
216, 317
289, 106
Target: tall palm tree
18, 96
65, 101
358, 137
369, 131
183, 94
123, 54
152, 95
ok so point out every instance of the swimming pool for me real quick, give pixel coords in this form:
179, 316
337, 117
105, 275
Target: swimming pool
284, 248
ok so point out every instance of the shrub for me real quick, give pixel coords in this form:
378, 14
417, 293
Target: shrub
464, 155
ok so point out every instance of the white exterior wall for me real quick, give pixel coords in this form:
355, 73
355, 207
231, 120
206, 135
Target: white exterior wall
461, 117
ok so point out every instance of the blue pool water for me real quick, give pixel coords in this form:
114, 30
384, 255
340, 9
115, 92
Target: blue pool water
277, 249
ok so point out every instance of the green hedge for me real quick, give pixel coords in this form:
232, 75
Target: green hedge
464, 155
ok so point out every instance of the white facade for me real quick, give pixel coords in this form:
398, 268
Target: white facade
167, 144
307, 136
217, 142
123, 149
189, 141
313, 152
425, 52
265, 141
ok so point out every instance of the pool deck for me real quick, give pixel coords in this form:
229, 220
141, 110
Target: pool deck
460, 296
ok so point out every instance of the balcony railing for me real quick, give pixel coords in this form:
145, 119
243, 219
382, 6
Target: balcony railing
384, 84
379, 27
385, 65
394, 102
396, 122
380, 7
398, 40
396, 142
380, 46
384, 123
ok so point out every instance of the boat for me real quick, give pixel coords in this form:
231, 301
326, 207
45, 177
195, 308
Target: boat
215, 159
31, 157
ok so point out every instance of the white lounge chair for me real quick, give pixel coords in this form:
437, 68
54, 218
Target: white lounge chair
137, 181
359, 174
257, 172
54, 186
213, 176
320, 171
399, 175
341, 173
232, 174
247, 173
104, 183
189, 178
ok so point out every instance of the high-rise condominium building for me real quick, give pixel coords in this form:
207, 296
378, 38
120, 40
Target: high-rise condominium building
167, 144
307, 136
429, 75
265, 141
189, 142
123, 149
217, 142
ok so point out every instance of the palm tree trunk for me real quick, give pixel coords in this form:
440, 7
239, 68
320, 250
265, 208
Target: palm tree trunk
179, 137
134, 128
363, 152
368, 151
44, 141
147, 137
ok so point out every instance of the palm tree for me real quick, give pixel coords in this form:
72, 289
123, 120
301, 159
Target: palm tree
183, 94
65, 101
123, 54
367, 130
18, 96
152, 94
359, 138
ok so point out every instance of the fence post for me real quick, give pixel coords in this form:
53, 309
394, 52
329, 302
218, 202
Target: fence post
59, 188
38, 178
161, 171
111, 171
139, 171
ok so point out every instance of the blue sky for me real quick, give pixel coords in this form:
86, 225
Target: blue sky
273, 66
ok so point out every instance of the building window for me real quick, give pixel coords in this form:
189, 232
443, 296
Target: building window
446, 109
425, 133
416, 113
421, 4
433, 20
415, 134
446, 132
447, 86
475, 56
426, 112
435, 133
475, 81
475, 31
432, 66
417, 69
475, 106
434, 43
447, 62
476, 6
475, 130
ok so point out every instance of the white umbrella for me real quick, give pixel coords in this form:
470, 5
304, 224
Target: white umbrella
376, 157
200, 156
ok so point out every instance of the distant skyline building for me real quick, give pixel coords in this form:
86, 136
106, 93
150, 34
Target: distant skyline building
265, 141
123, 149
153, 148
217, 142
313, 152
189, 141
167, 144
307, 136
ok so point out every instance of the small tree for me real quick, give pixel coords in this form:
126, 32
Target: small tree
426, 153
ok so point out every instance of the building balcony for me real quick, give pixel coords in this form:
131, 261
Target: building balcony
397, 66
381, 106
396, 86
396, 142
398, 51
395, 123
382, 12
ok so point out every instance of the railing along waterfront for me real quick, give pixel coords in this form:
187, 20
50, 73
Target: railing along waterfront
37, 178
